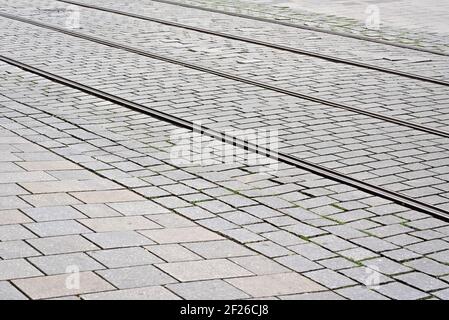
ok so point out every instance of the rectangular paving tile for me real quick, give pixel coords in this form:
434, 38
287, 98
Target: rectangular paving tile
48, 165
69, 186
173, 252
9, 292
50, 199
146, 293
219, 249
14, 232
118, 239
16, 249
275, 284
134, 277
107, 196
13, 217
62, 263
132, 208
207, 290
260, 265
62, 244
124, 257
204, 270
17, 268
62, 285
178, 235
12, 202
119, 224
53, 213
57, 228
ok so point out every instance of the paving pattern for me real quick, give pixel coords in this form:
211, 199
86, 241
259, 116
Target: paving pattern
94, 205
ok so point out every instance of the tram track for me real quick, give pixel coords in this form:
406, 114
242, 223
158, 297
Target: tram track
263, 43
304, 27
238, 142
230, 76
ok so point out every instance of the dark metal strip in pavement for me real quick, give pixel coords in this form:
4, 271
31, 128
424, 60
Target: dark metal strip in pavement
147, 54
266, 44
316, 29
221, 136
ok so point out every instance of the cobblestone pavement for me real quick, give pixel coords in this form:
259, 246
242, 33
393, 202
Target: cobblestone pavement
411, 22
91, 191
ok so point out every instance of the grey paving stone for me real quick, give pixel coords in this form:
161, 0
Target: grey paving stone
333, 243
298, 263
178, 235
16, 249
173, 252
428, 266
124, 257
119, 224
401, 255
240, 218
269, 249
427, 247
17, 268
107, 196
62, 244
427, 223
9, 292
386, 266
98, 210
50, 199
118, 239
132, 208
260, 265
442, 294
219, 249
204, 270
320, 296
403, 239
170, 220
312, 251
195, 213
134, 277
53, 213
13, 217
275, 285
57, 228
330, 279
146, 293
283, 238
337, 263
422, 281
399, 291
358, 254
172, 202
262, 212
242, 235
369, 277
56, 286
360, 293
217, 224
14, 232
62, 263
205, 290
442, 256
304, 230
375, 244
